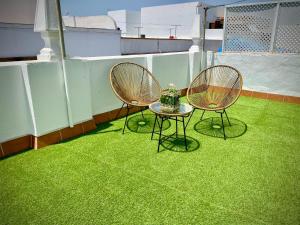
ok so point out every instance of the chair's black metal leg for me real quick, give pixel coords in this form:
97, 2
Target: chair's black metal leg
227, 117
126, 118
143, 115
184, 133
223, 125
202, 115
190, 117
118, 113
154, 126
160, 129
176, 127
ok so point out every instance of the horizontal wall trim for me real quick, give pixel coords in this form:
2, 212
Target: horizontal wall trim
150, 38
21, 144
271, 96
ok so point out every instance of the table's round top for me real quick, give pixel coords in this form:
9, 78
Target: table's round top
184, 109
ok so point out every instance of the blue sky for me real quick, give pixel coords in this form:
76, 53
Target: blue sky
98, 7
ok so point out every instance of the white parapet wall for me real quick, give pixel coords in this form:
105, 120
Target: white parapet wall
33, 101
92, 42
19, 40
153, 45
271, 73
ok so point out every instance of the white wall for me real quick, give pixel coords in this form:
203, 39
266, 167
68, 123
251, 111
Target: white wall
15, 116
89, 89
172, 68
37, 88
157, 20
120, 17
48, 97
277, 73
19, 40
103, 98
140, 46
92, 42
133, 19
17, 11
127, 21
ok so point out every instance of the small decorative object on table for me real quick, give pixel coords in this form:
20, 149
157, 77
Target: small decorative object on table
170, 99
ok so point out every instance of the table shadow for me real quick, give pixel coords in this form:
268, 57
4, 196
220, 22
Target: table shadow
177, 144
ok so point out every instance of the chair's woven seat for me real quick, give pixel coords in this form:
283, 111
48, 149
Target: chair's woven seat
134, 84
215, 88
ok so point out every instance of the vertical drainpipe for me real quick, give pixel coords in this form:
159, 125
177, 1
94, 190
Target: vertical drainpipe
203, 57
62, 59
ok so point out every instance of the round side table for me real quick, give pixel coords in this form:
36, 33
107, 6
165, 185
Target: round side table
183, 111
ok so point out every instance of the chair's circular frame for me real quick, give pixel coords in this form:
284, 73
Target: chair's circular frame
116, 93
219, 108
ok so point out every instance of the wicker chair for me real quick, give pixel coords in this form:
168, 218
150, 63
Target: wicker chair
134, 85
215, 89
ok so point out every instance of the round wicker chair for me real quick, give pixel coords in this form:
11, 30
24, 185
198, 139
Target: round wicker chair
134, 85
215, 89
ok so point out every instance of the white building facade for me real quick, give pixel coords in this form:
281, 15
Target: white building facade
128, 21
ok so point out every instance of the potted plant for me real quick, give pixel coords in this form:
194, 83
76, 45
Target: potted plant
170, 99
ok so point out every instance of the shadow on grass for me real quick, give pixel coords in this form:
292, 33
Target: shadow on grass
140, 124
101, 128
177, 144
213, 127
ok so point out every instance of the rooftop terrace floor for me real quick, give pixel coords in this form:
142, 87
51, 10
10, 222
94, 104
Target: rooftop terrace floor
109, 178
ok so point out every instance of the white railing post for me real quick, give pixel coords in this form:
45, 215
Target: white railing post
274, 29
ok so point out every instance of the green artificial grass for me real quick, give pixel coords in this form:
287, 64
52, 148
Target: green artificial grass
109, 178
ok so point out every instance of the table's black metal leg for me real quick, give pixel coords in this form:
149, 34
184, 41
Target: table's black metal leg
184, 133
176, 127
223, 125
126, 119
227, 117
190, 117
154, 126
160, 129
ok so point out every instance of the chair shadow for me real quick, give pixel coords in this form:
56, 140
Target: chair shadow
177, 144
140, 124
213, 127
101, 128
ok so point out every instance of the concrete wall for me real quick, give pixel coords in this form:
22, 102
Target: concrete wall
15, 117
157, 20
140, 46
33, 99
127, 21
20, 40
133, 20
120, 17
16, 11
92, 42
277, 73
